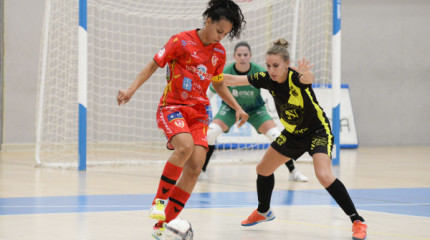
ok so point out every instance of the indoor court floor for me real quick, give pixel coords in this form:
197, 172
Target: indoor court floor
389, 185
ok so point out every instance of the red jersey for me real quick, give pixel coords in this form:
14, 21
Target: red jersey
192, 66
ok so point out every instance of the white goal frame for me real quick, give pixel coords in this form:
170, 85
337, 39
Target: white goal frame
83, 79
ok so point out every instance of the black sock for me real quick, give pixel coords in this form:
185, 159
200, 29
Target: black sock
265, 187
208, 156
338, 191
290, 165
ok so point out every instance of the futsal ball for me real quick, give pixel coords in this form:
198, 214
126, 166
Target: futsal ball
178, 229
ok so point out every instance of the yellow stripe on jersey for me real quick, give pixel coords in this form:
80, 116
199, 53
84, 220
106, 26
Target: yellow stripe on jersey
173, 69
218, 78
295, 99
325, 124
167, 89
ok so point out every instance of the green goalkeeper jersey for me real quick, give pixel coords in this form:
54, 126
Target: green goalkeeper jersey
247, 96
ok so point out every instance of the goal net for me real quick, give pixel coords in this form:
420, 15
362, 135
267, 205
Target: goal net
123, 35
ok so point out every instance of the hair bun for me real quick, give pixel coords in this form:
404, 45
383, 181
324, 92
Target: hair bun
281, 42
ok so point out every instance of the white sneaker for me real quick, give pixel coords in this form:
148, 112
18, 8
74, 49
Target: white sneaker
157, 232
296, 176
157, 210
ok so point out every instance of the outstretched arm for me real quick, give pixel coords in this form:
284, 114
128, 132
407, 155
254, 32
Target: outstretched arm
124, 95
304, 69
235, 80
225, 95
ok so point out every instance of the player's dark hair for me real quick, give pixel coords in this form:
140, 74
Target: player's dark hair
229, 10
242, 44
280, 48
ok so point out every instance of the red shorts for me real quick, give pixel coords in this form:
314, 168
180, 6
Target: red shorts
175, 119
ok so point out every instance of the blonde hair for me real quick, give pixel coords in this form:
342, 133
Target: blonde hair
280, 47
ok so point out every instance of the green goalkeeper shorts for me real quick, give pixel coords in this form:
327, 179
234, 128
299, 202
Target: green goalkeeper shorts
257, 116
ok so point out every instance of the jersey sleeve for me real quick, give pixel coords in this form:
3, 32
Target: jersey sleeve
259, 79
170, 51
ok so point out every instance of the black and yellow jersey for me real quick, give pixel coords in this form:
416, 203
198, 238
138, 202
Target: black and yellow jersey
296, 104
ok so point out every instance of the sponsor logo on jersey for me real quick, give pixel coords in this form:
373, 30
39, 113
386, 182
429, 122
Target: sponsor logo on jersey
187, 42
197, 86
219, 50
184, 95
187, 84
262, 74
200, 70
292, 114
281, 139
293, 92
174, 116
319, 141
161, 52
235, 93
300, 131
214, 60
179, 123
205, 121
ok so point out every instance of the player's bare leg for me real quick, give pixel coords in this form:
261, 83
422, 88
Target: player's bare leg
269, 129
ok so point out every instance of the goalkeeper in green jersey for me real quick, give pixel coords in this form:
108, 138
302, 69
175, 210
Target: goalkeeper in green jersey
249, 98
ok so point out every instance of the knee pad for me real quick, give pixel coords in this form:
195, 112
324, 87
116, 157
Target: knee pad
273, 133
213, 133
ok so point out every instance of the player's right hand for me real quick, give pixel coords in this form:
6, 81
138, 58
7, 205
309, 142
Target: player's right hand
242, 116
124, 95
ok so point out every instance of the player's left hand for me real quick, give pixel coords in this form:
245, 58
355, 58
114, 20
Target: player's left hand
303, 66
241, 116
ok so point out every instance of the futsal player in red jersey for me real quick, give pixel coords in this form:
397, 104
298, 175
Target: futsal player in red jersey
195, 59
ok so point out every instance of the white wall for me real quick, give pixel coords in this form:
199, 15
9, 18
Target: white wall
385, 59
23, 27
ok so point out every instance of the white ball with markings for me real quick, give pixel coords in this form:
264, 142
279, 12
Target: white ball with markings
178, 229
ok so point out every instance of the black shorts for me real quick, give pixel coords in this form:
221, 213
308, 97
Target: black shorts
293, 146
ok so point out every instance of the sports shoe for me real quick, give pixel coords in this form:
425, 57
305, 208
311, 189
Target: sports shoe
158, 231
257, 217
359, 230
157, 210
296, 176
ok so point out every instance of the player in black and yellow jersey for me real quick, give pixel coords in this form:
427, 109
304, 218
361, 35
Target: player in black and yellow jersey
249, 98
307, 129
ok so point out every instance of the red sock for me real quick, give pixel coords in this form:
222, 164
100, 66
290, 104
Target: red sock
176, 203
171, 174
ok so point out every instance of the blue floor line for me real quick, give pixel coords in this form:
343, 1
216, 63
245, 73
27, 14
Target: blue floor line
407, 201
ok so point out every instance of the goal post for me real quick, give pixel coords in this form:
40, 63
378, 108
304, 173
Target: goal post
336, 80
92, 48
83, 82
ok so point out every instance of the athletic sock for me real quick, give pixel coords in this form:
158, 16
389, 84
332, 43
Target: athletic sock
338, 191
208, 156
176, 203
265, 187
290, 165
170, 175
